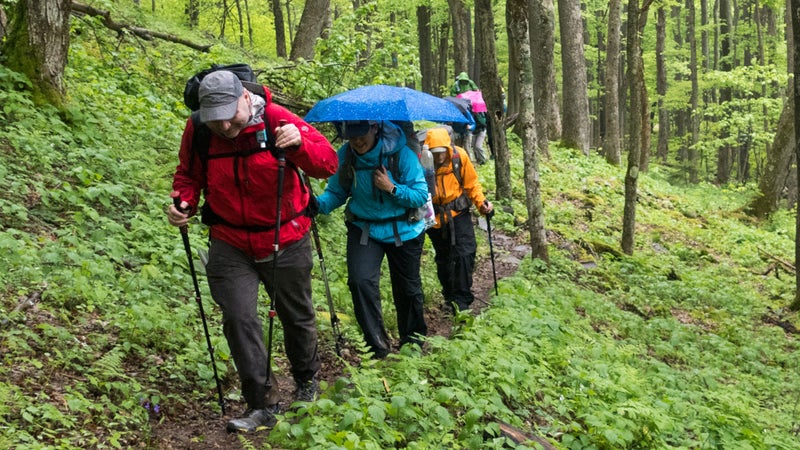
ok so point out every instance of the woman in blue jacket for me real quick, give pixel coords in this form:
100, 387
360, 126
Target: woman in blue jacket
383, 183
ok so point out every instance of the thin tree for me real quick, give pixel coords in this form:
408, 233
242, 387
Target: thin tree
426, 66
725, 93
192, 13
280, 29
662, 149
634, 63
491, 85
459, 18
37, 44
795, 306
541, 28
517, 23
611, 139
694, 97
575, 91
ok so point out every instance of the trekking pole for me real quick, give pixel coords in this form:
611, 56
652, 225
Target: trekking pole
280, 155
176, 200
491, 248
337, 335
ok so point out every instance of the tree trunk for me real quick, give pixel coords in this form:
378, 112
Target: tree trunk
611, 139
459, 18
193, 13
426, 67
491, 86
545, 92
662, 151
795, 50
633, 50
725, 96
646, 129
773, 183
280, 29
516, 13
309, 29
575, 131
37, 45
240, 19
694, 165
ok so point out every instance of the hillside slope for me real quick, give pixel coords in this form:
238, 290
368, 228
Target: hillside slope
685, 344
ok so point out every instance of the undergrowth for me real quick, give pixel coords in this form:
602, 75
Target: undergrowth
685, 344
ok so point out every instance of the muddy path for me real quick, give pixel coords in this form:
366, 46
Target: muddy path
195, 426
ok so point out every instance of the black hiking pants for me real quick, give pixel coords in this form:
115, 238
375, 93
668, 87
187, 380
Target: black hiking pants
455, 262
363, 278
234, 279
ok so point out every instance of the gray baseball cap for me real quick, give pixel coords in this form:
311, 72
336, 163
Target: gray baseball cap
219, 94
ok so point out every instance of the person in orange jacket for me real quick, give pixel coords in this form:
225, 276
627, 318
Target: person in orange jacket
453, 236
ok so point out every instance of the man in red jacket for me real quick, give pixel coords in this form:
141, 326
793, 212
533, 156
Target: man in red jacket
238, 177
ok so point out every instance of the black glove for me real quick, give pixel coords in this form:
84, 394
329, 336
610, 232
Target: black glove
312, 209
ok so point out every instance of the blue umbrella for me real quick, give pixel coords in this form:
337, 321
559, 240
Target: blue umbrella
381, 102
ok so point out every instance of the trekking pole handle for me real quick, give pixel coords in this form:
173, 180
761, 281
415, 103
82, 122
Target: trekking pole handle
176, 200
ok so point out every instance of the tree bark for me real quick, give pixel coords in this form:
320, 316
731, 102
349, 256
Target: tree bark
545, 92
795, 305
311, 25
725, 95
662, 149
516, 14
611, 139
492, 93
575, 91
37, 45
426, 66
459, 18
694, 165
633, 50
280, 29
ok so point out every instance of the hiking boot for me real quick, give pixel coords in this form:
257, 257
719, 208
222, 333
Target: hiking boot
307, 391
253, 420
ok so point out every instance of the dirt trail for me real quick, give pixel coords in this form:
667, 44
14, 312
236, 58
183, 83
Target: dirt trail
198, 428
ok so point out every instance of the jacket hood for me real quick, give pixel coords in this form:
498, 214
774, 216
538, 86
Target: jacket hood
463, 76
439, 137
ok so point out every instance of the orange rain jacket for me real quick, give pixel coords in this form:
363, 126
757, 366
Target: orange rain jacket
448, 189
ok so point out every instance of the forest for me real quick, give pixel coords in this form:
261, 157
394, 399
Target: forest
644, 178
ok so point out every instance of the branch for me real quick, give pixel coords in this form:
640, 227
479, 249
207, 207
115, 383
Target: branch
148, 35
785, 265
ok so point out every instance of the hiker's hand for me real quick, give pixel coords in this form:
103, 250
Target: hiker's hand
381, 180
287, 136
178, 218
486, 208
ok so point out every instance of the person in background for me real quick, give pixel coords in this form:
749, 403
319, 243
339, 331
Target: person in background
475, 136
239, 181
381, 180
453, 236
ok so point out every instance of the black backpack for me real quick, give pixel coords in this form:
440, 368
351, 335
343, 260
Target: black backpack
202, 134
201, 140
242, 71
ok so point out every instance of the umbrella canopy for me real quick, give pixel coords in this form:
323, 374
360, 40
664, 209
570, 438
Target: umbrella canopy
381, 102
476, 98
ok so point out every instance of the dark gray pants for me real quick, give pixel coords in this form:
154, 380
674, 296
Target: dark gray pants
363, 278
455, 263
234, 279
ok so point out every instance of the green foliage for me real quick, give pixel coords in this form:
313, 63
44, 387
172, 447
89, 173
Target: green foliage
674, 347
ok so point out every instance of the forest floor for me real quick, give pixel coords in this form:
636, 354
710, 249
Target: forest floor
196, 427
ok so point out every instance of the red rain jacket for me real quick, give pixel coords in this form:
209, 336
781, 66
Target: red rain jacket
242, 190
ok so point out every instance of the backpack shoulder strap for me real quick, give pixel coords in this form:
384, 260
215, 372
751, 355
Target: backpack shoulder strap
201, 140
456, 162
